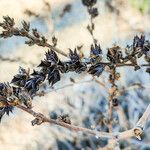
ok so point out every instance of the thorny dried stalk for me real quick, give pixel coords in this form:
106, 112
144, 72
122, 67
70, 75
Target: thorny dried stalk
25, 85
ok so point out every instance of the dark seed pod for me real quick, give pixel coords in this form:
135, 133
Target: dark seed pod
138, 41
44, 64
95, 50
114, 54
21, 78
43, 41
65, 118
136, 67
93, 12
2, 112
6, 34
29, 43
74, 56
80, 67
53, 76
16, 91
25, 98
8, 22
2, 86
95, 54
115, 102
89, 3
146, 47
52, 57
54, 41
7, 89
32, 86
140, 54
5, 110
97, 69
35, 33
26, 26
148, 70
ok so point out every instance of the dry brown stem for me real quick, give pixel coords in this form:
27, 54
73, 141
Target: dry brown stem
136, 131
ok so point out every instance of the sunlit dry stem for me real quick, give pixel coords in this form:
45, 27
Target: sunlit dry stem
4, 104
142, 121
134, 132
115, 136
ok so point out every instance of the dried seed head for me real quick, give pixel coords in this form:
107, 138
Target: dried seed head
89, 3
65, 118
35, 33
54, 41
117, 76
97, 69
73, 55
93, 12
26, 26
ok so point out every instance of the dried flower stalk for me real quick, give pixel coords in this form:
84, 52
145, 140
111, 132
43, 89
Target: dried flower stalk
25, 85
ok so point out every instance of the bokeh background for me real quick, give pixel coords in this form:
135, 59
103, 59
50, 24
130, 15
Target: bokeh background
85, 101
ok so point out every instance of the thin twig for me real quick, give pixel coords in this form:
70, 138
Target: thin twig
12, 59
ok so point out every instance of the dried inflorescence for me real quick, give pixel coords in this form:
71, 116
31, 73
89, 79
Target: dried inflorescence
93, 12
52, 67
11, 96
25, 85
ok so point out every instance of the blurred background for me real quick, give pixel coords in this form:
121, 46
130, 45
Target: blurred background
85, 101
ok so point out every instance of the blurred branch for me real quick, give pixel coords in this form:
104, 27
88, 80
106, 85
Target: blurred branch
42, 93
18, 59
133, 87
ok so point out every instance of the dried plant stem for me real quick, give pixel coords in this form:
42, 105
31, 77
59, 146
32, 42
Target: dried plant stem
134, 132
133, 87
92, 34
122, 117
64, 54
100, 83
38, 42
111, 96
142, 121
123, 64
68, 126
